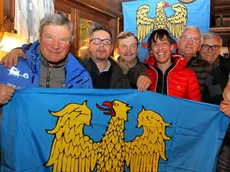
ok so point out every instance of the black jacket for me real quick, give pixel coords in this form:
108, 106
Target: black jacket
118, 79
216, 81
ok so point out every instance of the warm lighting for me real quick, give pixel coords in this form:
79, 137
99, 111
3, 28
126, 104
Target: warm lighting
115, 54
9, 38
83, 52
9, 41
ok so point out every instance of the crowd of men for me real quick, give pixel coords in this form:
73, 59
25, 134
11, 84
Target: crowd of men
196, 71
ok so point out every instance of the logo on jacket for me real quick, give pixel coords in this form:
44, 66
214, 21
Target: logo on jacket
16, 73
178, 88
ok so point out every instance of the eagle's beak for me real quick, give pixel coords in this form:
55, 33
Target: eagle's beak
166, 4
109, 110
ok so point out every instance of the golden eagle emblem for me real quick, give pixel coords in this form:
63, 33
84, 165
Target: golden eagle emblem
174, 23
74, 151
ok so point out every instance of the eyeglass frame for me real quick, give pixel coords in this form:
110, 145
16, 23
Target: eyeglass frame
100, 41
210, 46
188, 38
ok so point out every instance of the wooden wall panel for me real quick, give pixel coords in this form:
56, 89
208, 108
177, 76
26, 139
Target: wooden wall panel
104, 12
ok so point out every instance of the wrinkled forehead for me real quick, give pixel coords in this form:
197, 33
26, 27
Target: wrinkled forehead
212, 41
101, 34
192, 33
128, 40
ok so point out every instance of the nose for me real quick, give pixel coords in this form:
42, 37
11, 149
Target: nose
128, 49
209, 49
102, 44
159, 46
56, 44
190, 41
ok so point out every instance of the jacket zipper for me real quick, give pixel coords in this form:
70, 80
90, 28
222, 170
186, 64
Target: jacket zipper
163, 83
48, 78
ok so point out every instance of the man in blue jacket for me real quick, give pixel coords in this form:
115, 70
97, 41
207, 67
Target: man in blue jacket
48, 63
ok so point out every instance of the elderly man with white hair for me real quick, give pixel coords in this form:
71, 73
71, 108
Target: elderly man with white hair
189, 44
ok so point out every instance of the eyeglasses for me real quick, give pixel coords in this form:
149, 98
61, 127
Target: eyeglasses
98, 41
187, 38
213, 47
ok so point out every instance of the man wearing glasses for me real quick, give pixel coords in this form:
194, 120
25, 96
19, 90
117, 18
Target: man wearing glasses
189, 44
104, 71
211, 47
219, 65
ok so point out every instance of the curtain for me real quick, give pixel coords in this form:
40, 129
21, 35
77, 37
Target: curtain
28, 14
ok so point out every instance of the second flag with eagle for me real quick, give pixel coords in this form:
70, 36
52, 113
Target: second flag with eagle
142, 17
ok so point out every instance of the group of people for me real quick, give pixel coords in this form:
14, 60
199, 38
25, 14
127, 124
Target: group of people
195, 71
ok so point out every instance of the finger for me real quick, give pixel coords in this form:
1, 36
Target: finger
227, 113
138, 81
4, 61
15, 60
225, 102
10, 61
23, 55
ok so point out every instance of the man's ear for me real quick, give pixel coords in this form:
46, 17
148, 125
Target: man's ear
39, 37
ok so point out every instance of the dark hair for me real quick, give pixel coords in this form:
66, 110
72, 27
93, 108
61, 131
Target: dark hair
159, 34
97, 28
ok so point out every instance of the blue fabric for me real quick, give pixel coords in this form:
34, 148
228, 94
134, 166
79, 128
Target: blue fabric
198, 15
76, 75
196, 129
18, 77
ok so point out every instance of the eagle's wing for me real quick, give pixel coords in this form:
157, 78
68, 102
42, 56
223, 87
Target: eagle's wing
144, 152
71, 149
144, 22
178, 21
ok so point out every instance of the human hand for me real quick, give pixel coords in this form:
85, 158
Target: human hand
225, 107
143, 82
6, 92
12, 57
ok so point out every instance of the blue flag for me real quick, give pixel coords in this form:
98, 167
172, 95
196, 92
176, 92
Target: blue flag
108, 130
141, 17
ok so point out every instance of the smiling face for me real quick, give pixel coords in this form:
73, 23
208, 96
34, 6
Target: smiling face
99, 48
55, 43
127, 49
189, 43
210, 49
161, 50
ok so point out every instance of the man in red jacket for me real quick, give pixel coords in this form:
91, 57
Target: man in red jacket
168, 73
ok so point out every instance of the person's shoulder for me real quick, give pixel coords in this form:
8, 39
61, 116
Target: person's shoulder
115, 65
199, 61
187, 72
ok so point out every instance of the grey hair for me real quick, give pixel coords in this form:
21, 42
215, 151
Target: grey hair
124, 35
191, 28
59, 20
213, 35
